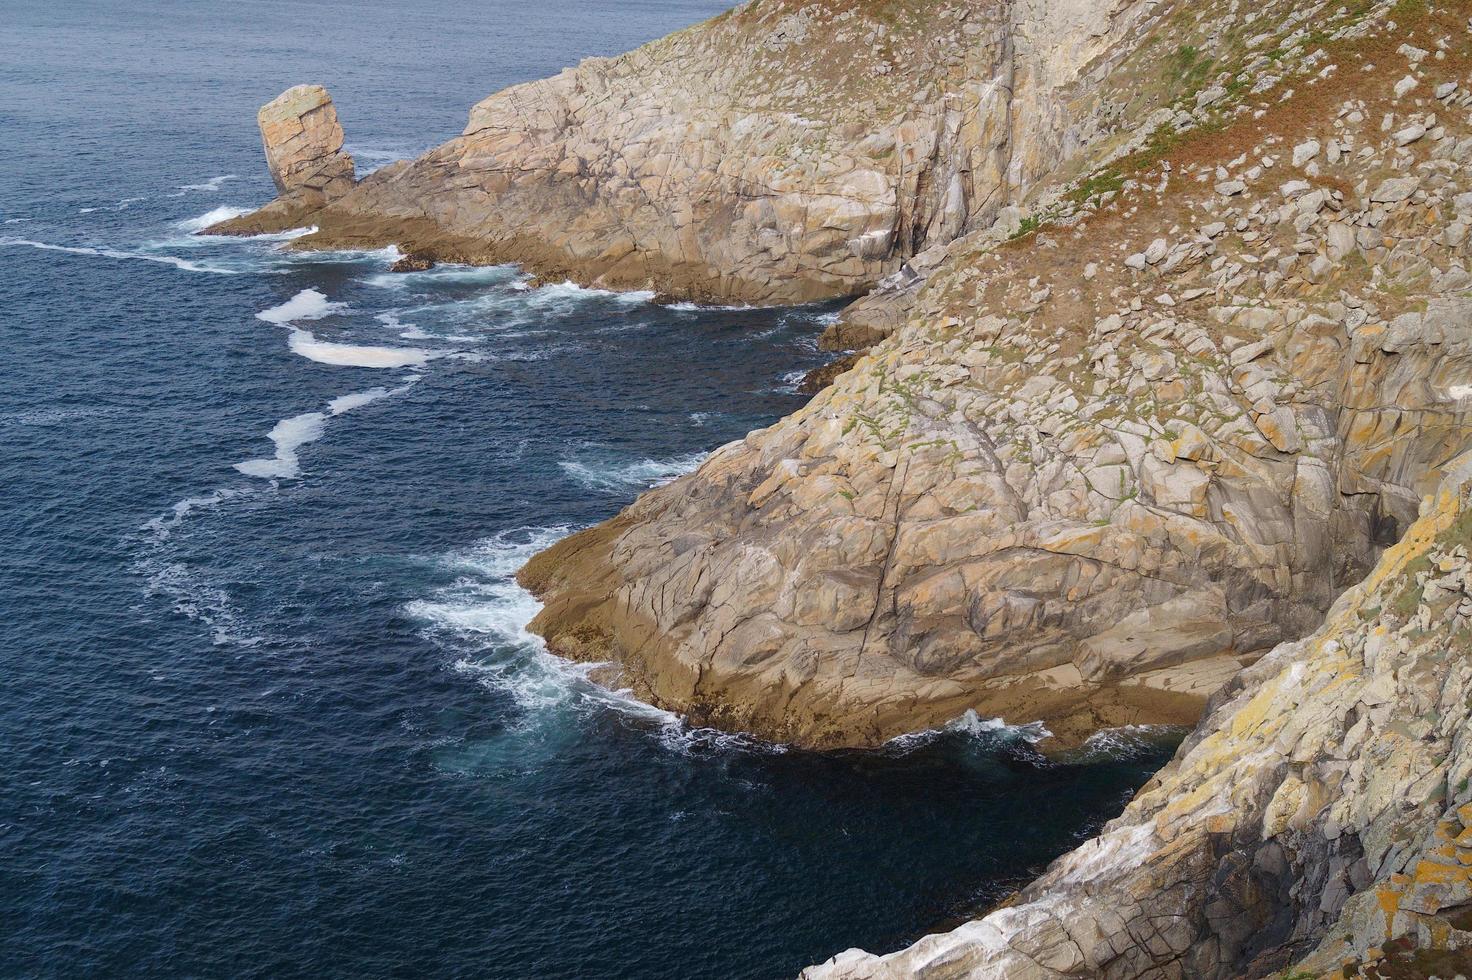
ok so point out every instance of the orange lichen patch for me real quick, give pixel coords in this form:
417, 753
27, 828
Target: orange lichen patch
1389, 896
1434, 872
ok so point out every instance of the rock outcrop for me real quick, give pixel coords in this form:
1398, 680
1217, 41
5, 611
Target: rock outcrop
303, 142
1102, 467
1318, 823
782, 151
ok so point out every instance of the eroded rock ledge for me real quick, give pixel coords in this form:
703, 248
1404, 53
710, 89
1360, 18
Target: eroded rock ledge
788, 150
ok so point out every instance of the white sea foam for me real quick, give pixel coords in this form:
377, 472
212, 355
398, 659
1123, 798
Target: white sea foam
483, 615
292, 433
559, 293
303, 342
688, 307
334, 256
309, 304
289, 435
161, 527
790, 381
388, 255
1126, 742
465, 274
120, 206
192, 595
198, 599
188, 265
482, 618
356, 399
408, 331
618, 477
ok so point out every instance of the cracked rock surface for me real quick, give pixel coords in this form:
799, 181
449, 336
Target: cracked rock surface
303, 143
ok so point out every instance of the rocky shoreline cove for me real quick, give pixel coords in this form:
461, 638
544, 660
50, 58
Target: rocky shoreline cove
1155, 408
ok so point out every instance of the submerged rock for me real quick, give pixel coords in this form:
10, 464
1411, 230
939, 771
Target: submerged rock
412, 263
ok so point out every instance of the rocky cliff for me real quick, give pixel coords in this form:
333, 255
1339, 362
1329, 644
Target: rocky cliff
1317, 824
1102, 466
786, 150
1163, 415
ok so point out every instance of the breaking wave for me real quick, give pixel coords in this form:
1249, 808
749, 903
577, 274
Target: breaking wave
489, 275
1127, 742
481, 617
213, 184
616, 477
211, 217
972, 726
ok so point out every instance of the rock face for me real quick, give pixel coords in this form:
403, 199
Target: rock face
783, 151
1099, 469
303, 142
1318, 823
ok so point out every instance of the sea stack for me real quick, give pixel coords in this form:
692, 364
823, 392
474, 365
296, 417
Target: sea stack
303, 142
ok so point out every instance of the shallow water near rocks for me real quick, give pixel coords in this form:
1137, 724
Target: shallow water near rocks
270, 708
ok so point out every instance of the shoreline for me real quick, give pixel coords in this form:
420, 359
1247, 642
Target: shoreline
421, 238
580, 625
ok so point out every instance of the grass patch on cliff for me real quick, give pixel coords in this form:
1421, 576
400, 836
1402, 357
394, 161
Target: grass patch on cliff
1189, 68
1029, 224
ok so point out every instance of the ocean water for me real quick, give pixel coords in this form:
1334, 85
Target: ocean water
269, 707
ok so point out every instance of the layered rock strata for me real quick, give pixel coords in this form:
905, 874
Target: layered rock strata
783, 151
1101, 468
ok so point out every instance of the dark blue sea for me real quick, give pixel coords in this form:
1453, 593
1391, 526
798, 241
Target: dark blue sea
267, 703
